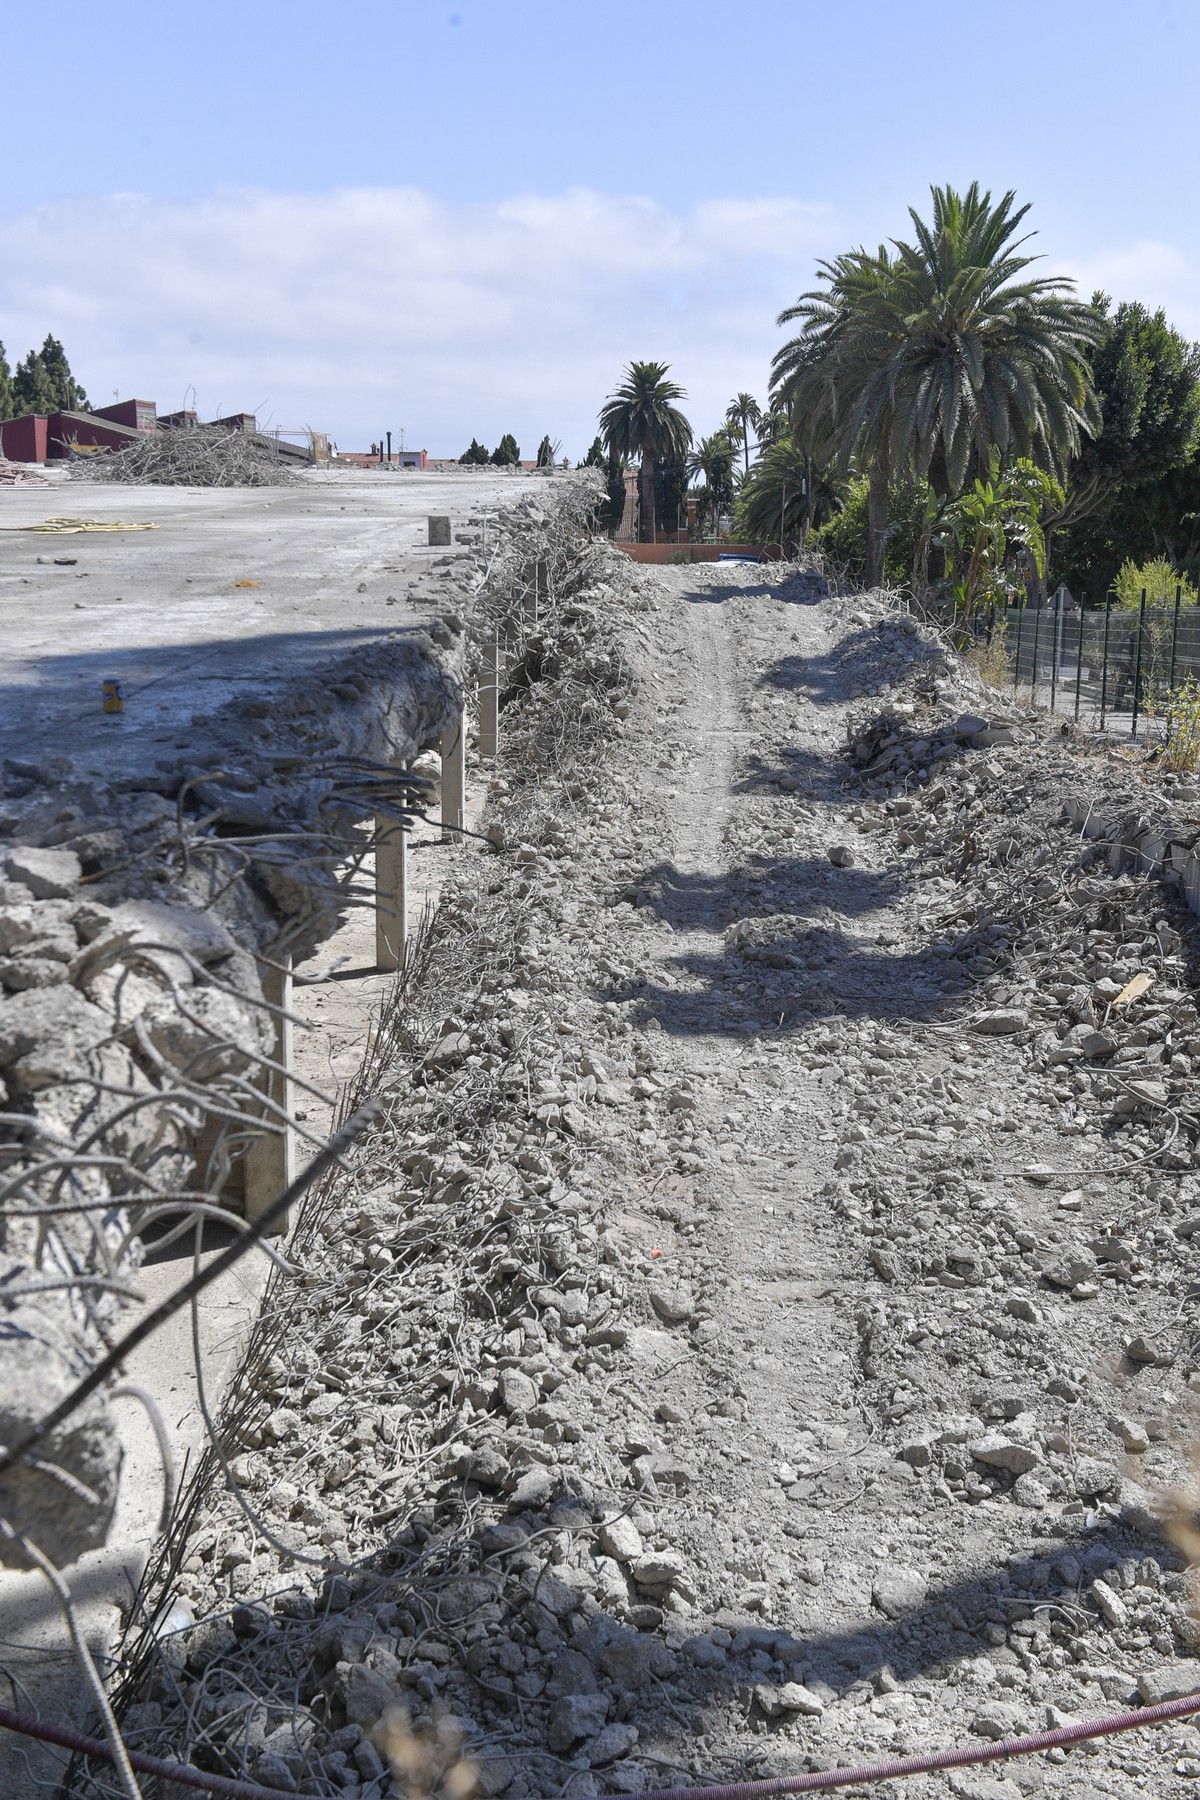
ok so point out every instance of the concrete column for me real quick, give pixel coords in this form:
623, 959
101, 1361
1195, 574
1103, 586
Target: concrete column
439, 531
454, 778
391, 894
489, 695
270, 1163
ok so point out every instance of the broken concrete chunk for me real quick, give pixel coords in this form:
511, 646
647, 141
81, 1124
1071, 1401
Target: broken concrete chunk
899, 1590
48, 874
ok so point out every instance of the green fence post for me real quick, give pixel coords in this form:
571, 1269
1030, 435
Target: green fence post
1104, 660
1137, 664
1079, 661
1017, 654
1037, 632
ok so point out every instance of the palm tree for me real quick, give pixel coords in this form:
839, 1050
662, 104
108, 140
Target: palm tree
713, 459
642, 420
921, 359
742, 413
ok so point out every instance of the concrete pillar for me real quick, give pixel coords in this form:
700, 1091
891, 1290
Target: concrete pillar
454, 778
391, 894
270, 1162
489, 695
439, 531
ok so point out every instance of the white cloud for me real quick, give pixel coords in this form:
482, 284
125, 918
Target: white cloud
373, 307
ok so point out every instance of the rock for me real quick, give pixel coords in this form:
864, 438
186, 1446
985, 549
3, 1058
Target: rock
366, 1695
1093, 1479
614, 1742
658, 1568
968, 725
970, 1784
1133, 1436
791, 1698
518, 1393
674, 1305
1138, 1350
1001, 1022
899, 1590
620, 1539
841, 856
1111, 1607
575, 1718
48, 874
999, 1719
1005, 1450
1174, 1682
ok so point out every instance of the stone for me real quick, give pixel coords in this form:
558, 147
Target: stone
1133, 1436
658, 1568
841, 856
790, 1698
968, 725
518, 1393
614, 1742
48, 874
899, 1590
620, 1539
999, 1719
674, 1305
573, 1719
1174, 1682
1110, 1605
1000, 1022
366, 1694
1005, 1450
1138, 1350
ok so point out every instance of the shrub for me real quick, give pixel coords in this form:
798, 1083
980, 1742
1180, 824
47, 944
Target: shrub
1158, 577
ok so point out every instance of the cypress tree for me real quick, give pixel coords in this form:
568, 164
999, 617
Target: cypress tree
33, 390
69, 396
8, 405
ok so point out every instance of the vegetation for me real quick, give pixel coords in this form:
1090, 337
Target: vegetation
713, 460
475, 453
1157, 579
43, 383
596, 457
641, 421
743, 415
845, 539
507, 453
994, 536
546, 453
783, 496
916, 361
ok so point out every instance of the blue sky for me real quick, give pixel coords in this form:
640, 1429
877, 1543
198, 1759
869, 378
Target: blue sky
463, 218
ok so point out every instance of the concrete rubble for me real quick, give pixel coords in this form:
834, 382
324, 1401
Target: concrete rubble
137, 917
758, 1337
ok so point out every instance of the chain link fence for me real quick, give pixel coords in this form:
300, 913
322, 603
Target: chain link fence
1112, 668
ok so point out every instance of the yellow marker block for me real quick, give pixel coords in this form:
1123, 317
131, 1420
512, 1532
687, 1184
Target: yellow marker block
111, 697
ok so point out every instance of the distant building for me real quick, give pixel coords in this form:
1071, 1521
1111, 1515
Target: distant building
52, 437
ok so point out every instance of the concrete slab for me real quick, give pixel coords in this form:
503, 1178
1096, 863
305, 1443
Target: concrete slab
335, 559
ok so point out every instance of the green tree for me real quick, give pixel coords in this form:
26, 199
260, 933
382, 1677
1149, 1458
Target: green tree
713, 459
596, 457
994, 535
474, 453
69, 396
1157, 578
8, 404
783, 496
917, 361
845, 538
545, 453
642, 420
33, 390
507, 452
744, 414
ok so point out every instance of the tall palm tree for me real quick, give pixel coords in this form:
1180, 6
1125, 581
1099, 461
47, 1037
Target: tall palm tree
642, 420
744, 413
920, 359
713, 459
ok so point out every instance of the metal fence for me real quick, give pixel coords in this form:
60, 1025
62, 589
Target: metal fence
1110, 667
